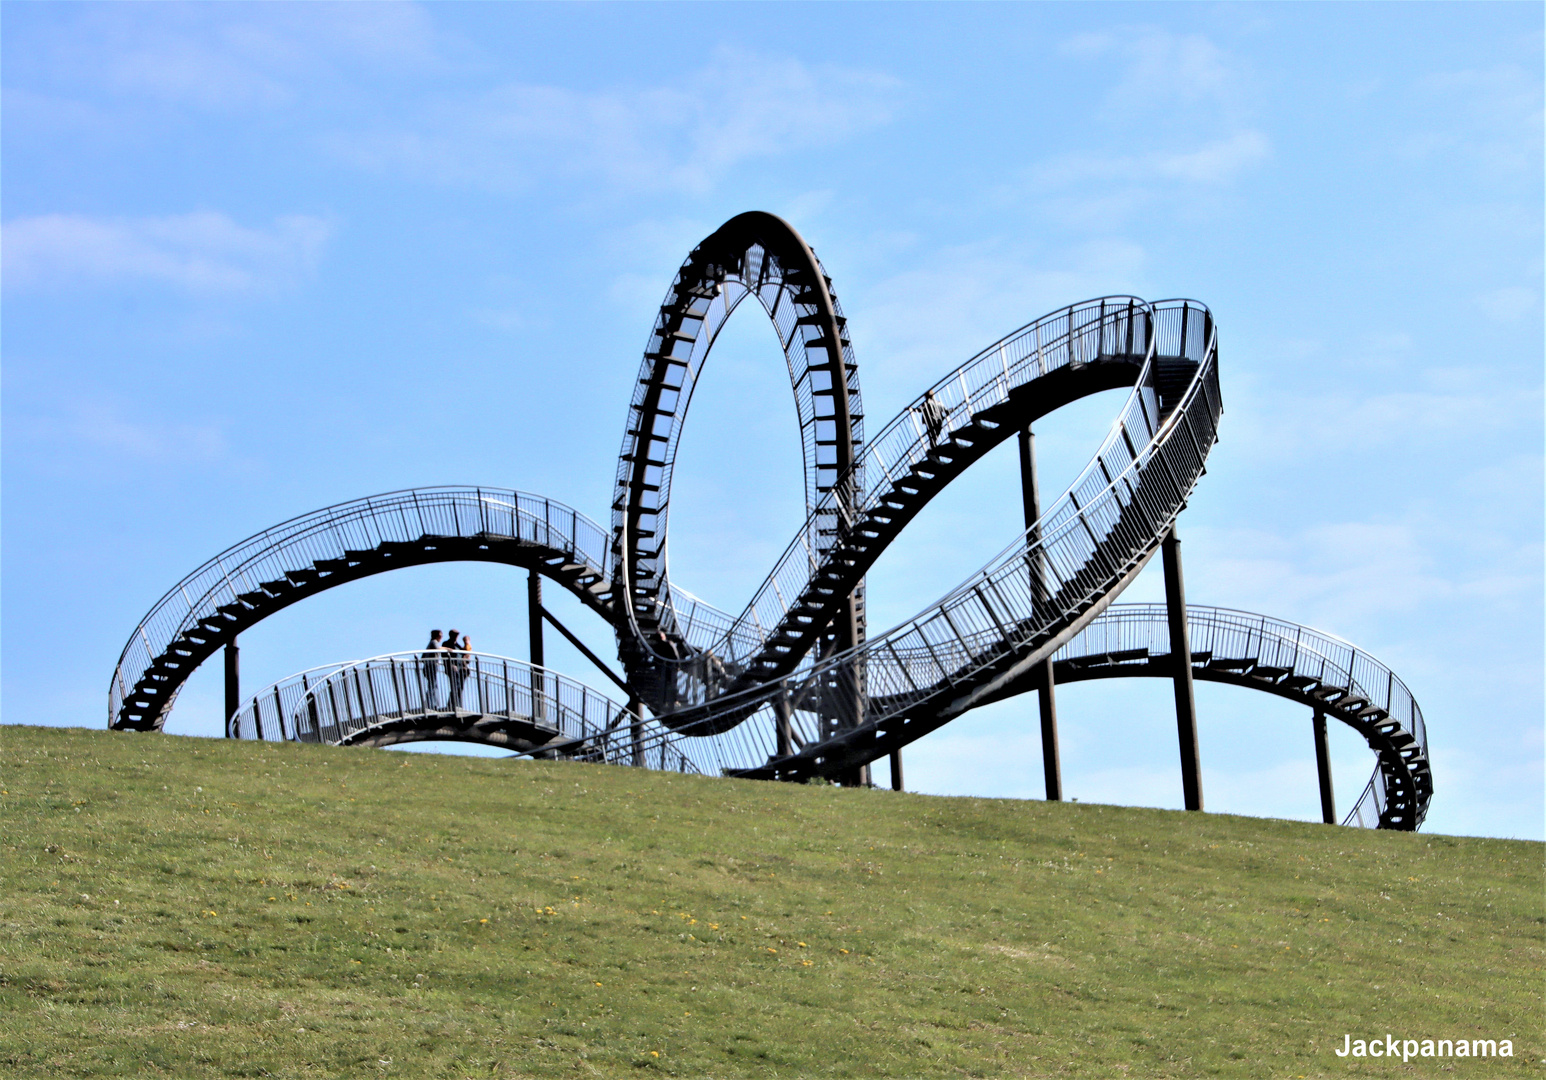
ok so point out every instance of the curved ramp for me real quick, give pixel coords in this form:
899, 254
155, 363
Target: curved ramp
1085, 349
461, 697
317, 551
1042, 589
1305, 666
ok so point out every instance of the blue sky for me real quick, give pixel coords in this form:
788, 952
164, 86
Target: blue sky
261, 259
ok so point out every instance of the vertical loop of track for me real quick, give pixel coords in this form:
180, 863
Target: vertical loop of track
752, 255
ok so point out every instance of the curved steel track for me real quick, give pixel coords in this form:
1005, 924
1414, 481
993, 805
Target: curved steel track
473, 697
791, 687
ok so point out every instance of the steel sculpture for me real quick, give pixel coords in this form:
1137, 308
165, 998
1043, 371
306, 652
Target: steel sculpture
792, 687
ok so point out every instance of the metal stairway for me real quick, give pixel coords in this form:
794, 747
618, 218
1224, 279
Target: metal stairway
315, 552
1295, 662
791, 688
1122, 504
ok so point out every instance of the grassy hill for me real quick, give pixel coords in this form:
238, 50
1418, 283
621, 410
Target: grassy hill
187, 907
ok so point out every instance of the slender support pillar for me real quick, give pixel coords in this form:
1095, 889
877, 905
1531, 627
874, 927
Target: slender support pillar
896, 771
534, 641
636, 731
1051, 763
1046, 691
1181, 658
1323, 767
233, 681
783, 733
534, 616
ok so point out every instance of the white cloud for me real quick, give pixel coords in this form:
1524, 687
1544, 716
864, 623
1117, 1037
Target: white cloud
1489, 120
222, 57
202, 251
684, 136
1201, 140
1158, 69
1510, 303
1345, 575
1216, 162
920, 324
104, 433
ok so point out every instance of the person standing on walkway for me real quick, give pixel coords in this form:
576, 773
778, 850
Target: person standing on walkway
933, 417
429, 670
456, 666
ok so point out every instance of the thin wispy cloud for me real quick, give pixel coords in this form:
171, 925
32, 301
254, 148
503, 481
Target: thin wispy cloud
684, 136
202, 251
919, 324
1158, 68
1176, 109
93, 435
232, 57
1214, 162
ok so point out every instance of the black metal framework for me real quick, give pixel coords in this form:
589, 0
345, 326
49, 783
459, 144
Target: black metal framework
309, 554
792, 687
752, 255
452, 697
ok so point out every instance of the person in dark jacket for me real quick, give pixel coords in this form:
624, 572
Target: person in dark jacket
429, 670
933, 417
456, 665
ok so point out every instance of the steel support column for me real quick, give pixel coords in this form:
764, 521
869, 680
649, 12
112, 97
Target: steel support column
636, 731
783, 724
1181, 660
896, 770
1051, 762
1046, 691
534, 616
233, 679
1323, 768
534, 640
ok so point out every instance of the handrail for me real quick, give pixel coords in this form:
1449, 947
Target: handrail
1054, 342
335, 533
466, 696
1227, 634
1086, 547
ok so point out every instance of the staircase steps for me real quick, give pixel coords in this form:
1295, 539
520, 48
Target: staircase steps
1171, 378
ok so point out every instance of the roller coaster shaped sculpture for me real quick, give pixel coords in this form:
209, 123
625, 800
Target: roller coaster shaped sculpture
793, 687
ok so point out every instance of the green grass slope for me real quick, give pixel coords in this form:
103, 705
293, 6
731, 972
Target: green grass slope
190, 908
